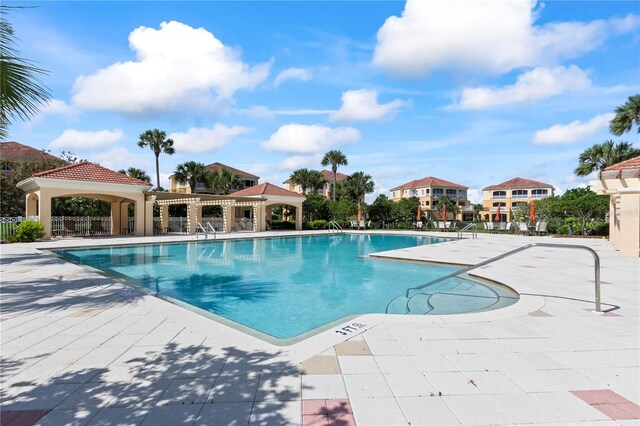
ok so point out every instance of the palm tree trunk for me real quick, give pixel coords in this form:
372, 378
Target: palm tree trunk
157, 172
334, 170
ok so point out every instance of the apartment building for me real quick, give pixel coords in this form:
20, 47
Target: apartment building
326, 188
430, 189
247, 180
510, 194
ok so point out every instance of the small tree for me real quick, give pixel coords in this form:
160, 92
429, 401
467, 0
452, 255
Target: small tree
191, 173
343, 209
450, 204
405, 209
316, 207
28, 231
477, 208
381, 209
584, 205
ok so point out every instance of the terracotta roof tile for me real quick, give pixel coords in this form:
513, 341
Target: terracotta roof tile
89, 172
266, 189
328, 176
216, 167
429, 181
518, 182
632, 163
18, 151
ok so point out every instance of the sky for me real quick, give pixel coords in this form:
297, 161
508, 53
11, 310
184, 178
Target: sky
471, 91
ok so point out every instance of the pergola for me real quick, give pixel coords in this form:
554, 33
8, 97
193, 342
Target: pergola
90, 180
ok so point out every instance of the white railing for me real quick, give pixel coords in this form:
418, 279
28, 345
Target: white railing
216, 223
8, 225
69, 226
539, 195
520, 196
244, 224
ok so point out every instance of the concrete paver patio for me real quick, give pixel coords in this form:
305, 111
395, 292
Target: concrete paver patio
81, 348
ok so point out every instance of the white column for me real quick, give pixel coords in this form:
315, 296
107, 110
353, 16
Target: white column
299, 217
44, 209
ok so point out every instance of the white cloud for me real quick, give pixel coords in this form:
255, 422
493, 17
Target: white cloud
58, 107
474, 196
483, 36
119, 158
83, 141
308, 139
539, 83
362, 105
175, 65
299, 161
572, 132
261, 111
292, 74
197, 139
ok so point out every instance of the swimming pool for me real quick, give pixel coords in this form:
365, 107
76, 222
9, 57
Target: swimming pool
283, 287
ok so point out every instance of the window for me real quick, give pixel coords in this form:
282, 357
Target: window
426, 203
427, 191
499, 204
520, 193
499, 194
422, 203
394, 194
201, 185
438, 192
539, 193
452, 193
462, 194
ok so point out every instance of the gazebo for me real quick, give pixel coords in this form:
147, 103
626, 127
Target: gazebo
90, 180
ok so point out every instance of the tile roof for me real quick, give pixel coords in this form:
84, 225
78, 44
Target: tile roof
18, 151
518, 182
631, 163
428, 181
216, 167
90, 172
266, 189
328, 176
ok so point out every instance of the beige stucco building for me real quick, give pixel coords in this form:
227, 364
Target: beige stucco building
622, 183
510, 194
246, 180
326, 189
429, 190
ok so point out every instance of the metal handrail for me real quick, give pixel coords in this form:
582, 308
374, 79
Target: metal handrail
466, 228
334, 226
212, 229
204, 230
596, 265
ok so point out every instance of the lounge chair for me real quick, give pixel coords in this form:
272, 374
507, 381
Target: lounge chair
361, 225
541, 228
442, 226
417, 225
502, 227
523, 228
507, 228
489, 226
453, 225
354, 224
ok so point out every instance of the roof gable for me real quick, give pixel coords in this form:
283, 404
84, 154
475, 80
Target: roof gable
90, 172
266, 189
216, 167
17, 151
518, 182
428, 181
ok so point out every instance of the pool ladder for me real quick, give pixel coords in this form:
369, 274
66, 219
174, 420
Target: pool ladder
402, 304
206, 230
334, 226
474, 233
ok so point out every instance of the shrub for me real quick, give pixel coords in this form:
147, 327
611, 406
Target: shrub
317, 224
283, 224
28, 231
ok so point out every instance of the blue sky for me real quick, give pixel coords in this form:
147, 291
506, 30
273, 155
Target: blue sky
475, 92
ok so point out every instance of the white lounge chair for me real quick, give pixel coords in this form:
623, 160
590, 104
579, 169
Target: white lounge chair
523, 228
507, 228
541, 228
502, 227
418, 225
489, 226
361, 224
442, 226
354, 224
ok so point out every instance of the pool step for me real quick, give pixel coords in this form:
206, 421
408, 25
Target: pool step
419, 304
398, 306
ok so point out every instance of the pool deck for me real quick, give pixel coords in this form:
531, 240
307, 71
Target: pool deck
81, 348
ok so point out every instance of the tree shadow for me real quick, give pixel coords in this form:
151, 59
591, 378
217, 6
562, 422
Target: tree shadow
204, 384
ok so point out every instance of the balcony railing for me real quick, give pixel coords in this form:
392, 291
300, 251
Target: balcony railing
499, 197
520, 196
539, 195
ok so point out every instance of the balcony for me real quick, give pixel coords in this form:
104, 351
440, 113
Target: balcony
503, 209
539, 195
499, 197
520, 196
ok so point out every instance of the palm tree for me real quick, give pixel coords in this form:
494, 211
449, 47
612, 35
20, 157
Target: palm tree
626, 115
22, 91
450, 204
477, 208
359, 185
334, 158
223, 181
307, 179
191, 173
159, 144
136, 173
600, 156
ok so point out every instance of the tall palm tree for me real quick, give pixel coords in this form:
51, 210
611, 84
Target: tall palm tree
191, 173
600, 156
334, 158
157, 141
223, 181
307, 179
359, 185
22, 91
626, 116
477, 208
136, 173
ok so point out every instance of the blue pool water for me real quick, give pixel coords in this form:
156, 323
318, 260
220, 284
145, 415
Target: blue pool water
282, 286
